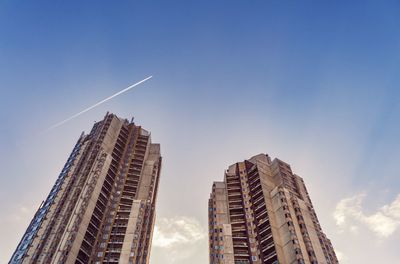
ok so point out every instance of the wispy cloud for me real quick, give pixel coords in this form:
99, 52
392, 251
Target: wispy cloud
19, 214
349, 214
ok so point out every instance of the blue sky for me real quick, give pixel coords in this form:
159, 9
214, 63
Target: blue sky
314, 83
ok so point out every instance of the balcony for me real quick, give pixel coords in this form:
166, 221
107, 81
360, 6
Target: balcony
241, 253
238, 222
270, 246
233, 188
239, 236
259, 208
238, 229
259, 199
234, 194
240, 244
233, 182
236, 212
267, 240
261, 215
257, 192
269, 256
264, 230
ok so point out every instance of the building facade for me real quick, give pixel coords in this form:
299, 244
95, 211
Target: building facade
102, 207
262, 213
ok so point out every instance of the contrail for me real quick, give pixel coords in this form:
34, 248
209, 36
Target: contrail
99, 103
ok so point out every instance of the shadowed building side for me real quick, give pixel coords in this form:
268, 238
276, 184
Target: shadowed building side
102, 207
262, 213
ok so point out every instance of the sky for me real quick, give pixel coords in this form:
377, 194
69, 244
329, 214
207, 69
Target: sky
314, 83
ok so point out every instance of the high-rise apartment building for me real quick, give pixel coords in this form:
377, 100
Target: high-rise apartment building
262, 213
102, 207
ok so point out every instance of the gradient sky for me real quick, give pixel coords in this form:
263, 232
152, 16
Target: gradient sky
315, 83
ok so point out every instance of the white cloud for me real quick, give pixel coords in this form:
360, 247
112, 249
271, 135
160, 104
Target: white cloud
384, 222
181, 238
170, 232
341, 257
